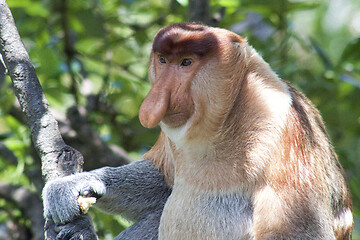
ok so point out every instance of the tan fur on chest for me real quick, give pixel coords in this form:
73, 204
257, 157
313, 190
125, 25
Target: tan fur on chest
190, 214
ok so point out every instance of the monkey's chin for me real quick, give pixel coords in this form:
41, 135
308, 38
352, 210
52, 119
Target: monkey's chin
176, 134
175, 120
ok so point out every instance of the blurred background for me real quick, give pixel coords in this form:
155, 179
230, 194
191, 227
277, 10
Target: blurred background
91, 57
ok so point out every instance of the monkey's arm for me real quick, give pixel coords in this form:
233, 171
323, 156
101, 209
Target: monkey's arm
137, 191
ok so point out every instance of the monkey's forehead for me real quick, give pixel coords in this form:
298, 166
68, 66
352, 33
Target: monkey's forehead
187, 38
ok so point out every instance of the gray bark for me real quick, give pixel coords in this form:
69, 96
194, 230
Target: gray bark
199, 11
44, 129
58, 159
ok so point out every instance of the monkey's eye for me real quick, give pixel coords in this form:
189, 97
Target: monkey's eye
162, 59
186, 62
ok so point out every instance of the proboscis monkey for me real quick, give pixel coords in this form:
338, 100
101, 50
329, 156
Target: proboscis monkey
241, 153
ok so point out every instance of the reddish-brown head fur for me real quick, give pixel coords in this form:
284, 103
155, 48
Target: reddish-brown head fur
185, 39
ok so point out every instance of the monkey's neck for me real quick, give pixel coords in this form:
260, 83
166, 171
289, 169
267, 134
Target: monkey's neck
242, 142
237, 151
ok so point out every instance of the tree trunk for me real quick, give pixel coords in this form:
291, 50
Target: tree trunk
58, 159
199, 11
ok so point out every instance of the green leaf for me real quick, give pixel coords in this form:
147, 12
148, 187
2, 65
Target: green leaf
349, 79
49, 61
88, 22
37, 10
5, 135
321, 53
298, 6
183, 3
18, 3
351, 51
228, 3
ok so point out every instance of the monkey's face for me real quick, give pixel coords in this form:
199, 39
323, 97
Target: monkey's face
184, 73
169, 99
174, 63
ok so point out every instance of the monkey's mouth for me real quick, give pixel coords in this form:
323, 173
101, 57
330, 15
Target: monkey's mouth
176, 119
174, 113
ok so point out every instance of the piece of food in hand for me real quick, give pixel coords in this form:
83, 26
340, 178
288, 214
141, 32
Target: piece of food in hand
85, 203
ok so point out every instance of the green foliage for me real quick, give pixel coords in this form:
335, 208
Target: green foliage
92, 49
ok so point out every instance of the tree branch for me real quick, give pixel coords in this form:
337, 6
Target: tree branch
199, 11
58, 159
68, 45
44, 129
7, 154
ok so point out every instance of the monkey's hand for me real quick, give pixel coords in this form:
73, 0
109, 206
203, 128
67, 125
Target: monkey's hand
69, 197
78, 229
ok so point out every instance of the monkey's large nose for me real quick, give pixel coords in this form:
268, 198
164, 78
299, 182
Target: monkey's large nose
154, 107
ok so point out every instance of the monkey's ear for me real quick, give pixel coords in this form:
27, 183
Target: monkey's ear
238, 42
238, 51
237, 46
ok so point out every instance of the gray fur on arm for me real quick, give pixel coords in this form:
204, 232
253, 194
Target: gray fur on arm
134, 190
137, 191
